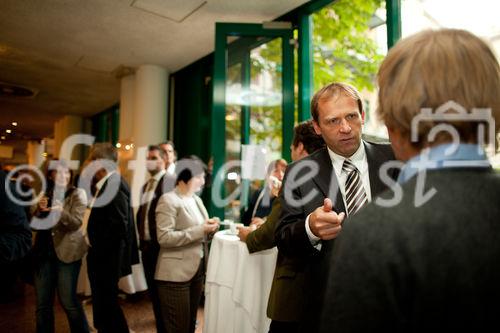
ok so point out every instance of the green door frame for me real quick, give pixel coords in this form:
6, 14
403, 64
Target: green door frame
393, 10
301, 17
218, 141
305, 55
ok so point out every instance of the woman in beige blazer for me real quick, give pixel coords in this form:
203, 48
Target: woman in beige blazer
182, 226
58, 251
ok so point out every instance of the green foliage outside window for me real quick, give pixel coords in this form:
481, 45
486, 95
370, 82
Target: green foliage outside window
342, 49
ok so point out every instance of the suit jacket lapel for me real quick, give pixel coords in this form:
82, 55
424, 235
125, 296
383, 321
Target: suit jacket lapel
326, 180
188, 209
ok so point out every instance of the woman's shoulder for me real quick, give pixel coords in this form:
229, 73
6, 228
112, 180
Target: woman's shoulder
170, 197
78, 194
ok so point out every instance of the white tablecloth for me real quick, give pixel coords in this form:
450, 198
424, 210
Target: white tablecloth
237, 286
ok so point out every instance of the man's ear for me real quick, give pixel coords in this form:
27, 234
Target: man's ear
401, 144
317, 129
300, 148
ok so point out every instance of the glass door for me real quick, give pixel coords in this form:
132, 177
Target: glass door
253, 110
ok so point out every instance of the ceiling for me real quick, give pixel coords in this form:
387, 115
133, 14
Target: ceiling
71, 52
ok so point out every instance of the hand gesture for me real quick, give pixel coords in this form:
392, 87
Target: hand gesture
244, 231
211, 225
324, 222
257, 222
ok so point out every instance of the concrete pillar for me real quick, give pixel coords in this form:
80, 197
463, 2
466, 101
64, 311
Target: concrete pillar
149, 119
127, 106
34, 151
150, 113
126, 130
64, 127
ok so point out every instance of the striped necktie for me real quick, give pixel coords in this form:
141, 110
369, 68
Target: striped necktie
355, 195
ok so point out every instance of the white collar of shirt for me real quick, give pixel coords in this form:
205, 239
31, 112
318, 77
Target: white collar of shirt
101, 182
171, 169
358, 159
158, 176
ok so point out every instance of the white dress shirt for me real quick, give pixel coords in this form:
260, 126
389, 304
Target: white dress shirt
171, 169
359, 160
148, 197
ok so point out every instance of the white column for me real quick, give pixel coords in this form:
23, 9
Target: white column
127, 106
149, 118
58, 137
150, 114
34, 151
64, 127
127, 126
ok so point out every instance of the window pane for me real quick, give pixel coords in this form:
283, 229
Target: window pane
349, 43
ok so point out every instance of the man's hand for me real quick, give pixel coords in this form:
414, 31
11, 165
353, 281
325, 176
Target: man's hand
257, 222
244, 231
324, 222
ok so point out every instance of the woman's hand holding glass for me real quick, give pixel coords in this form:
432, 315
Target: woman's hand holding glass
211, 225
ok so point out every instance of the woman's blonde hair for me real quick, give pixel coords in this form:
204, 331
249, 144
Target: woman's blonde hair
431, 68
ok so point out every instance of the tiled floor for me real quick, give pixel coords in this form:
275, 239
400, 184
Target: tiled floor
19, 316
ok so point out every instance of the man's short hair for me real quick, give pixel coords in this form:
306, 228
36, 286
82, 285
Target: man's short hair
431, 68
168, 142
104, 151
280, 162
304, 132
334, 90
158, 149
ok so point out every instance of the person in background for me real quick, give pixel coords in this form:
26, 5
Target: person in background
285, 304
25, 179
15, 238
58, 251
183, 228
170, 156
428, 260
157, 185
111, 236
262, 200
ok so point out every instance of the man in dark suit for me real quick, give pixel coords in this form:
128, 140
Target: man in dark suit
319, 190
159, 183
424, 257
15, 234
111, 236
15, 237
284, 306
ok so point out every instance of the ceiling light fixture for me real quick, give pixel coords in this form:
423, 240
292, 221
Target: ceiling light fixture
8, 131
14, 123
118, 145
